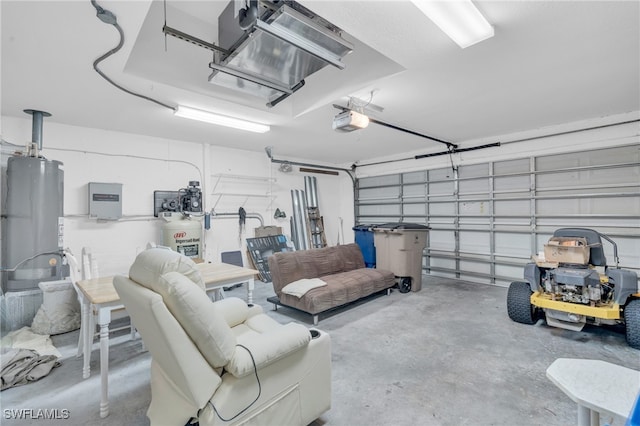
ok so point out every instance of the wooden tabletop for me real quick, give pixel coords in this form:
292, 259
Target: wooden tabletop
101, 290
216, 272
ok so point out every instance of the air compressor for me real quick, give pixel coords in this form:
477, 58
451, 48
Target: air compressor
182, 212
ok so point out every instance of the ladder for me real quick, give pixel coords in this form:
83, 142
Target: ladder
317, 236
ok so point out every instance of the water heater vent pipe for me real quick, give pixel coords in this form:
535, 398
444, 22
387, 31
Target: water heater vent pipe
36, 126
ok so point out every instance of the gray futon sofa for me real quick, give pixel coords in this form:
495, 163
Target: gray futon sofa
340, 267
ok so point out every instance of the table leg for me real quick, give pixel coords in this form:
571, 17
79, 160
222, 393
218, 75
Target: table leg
250, 287
104, 320
83, 323
587, 417
584, 416
219, 293
87, 338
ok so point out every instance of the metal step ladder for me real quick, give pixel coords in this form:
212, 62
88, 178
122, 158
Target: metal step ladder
317, 235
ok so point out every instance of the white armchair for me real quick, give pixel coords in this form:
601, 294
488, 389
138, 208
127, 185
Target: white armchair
221, 362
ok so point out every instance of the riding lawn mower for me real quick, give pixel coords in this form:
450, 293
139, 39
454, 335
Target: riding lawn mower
573, 285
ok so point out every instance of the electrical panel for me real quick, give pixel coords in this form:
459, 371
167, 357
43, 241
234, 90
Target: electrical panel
105, 200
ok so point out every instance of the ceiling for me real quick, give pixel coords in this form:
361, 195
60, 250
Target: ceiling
550, 62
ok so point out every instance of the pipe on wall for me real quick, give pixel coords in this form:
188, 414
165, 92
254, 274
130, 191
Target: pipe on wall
257, 216
36, 125
350, 172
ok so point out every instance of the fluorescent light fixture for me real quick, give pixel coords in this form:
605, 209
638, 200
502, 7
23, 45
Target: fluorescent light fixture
459, 19
220, 120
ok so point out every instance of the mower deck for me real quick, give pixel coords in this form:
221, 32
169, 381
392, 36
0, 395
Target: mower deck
543, 300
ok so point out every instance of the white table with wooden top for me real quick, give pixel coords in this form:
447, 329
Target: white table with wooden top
99, 294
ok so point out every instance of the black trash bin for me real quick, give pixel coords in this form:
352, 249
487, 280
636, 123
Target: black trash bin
399, 248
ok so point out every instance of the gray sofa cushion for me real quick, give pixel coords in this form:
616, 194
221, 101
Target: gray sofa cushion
292, 266
341, 288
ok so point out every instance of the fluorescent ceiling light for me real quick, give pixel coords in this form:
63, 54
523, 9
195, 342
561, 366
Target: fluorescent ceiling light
221, 120
459, 19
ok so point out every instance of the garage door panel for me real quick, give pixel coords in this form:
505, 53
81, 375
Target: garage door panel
512, 207
512, 244
502, 212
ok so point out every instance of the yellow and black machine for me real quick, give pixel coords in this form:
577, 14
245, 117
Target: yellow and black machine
572, 286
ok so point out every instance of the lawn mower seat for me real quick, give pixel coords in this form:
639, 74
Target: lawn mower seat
596, 255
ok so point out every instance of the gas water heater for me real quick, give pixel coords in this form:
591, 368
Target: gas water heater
33, 213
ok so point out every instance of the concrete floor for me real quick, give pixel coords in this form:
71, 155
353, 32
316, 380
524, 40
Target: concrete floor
447, 355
